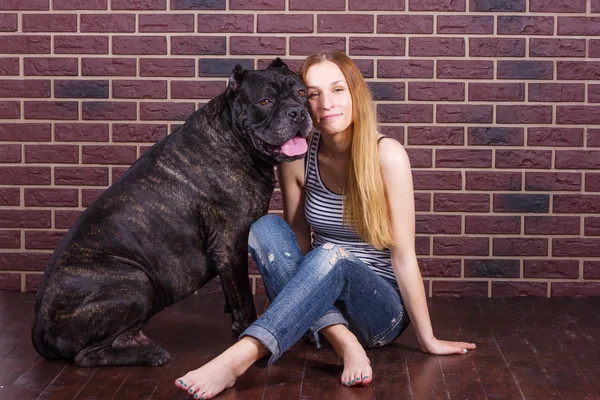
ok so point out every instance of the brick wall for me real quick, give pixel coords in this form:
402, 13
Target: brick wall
496, 101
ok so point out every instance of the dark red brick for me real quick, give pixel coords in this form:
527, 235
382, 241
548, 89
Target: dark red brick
139, 132
52, 22
51, 153
228, 23
591, 270
223, 66
375, 5
139, 89
80, 89
436, 91
492, 225
139, 5
80, 4
440, 267
547, 47
556, 137
23, 261
198, 4
463, 158
436, 47
81, 132
461, 202
436, 135
108, 66
576, 203
519, 246
33, 282
196, 89
257, 4
496, 47
81, 176
315, 5
592, 226
25, 176
170, 22
465, 24
58, 110
88, 196
460, 289
578, 26
9, 197
404, 69
10, 239
490, 268
29, 5
24, 132
259, 45
594, 93
592, 182
165, 111
525, 25
555, 181
493, 181
546, 225
198, 45
434, 224
559, 6
109, 110
525, 69
565, 269
405, 24
51, 197
381, 46
65, 219
474, 114
575, 247
327, 23
10, 110
25, 219
497, 5
393, 131
437, 180
495, 136
578, 115
519, 289
108, 154
142, 45
25, 44
390, 91
42, 240
575, 289
521, 114
465, 69
167, 67
405, 113
422, 202
466, 246
595, 7
81, 44
9, 66
108, 22
496, 92
593, 139
522, 203
24, 88
8, 22
577, 159
578, 70
437, 5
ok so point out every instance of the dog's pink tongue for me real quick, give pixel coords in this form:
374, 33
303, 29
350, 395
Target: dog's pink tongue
294, 146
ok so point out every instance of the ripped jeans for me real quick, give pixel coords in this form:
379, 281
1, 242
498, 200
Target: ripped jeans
326, 287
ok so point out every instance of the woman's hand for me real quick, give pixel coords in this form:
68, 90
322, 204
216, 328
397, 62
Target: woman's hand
444, 347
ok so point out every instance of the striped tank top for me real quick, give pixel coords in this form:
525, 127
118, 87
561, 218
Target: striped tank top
323, 212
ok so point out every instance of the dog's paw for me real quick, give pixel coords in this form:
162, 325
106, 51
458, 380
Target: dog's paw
156, 356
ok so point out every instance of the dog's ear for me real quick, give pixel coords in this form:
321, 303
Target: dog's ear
236, 79
277, 63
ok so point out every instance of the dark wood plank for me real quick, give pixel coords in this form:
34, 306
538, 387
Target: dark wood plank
68, 383
286, 374
104, 384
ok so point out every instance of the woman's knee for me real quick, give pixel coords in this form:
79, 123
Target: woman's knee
265, 230
329, 256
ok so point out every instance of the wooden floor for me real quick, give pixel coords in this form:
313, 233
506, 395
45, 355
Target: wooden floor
527, 349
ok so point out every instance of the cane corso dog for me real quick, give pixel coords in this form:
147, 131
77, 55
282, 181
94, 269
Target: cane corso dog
177, 218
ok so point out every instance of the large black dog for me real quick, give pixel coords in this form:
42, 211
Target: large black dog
176, 219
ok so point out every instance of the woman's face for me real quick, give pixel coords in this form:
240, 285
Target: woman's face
329, 98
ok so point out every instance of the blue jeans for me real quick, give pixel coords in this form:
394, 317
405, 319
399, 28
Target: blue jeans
326, 287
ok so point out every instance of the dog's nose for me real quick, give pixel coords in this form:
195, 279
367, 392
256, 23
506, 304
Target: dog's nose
297, 114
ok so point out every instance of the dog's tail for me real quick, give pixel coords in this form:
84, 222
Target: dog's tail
40, 342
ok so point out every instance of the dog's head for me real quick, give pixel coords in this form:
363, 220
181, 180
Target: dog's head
269, 108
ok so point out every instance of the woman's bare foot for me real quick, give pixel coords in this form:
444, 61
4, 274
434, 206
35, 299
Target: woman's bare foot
220, 373
357, 366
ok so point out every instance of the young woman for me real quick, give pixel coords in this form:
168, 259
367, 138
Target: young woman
356, 283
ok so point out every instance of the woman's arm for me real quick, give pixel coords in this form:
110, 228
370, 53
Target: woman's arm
397, 178
291, 181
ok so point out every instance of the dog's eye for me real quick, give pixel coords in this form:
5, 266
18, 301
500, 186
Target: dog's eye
301, 93
264, 102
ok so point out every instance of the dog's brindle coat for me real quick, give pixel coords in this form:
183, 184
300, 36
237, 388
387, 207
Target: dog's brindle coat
176, 219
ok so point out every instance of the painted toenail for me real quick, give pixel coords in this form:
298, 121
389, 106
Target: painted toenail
184, 385
181, 381
196, 396
191, 391
365, 377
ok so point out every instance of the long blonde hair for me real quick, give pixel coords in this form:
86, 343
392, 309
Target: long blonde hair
365, 205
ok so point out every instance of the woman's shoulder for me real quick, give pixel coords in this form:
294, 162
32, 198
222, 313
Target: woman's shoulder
391, 153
